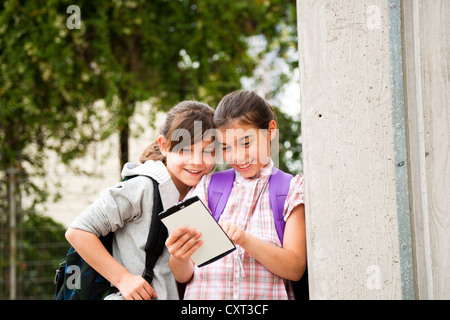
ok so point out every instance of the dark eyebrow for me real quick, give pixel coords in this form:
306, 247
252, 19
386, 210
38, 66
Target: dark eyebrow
209, 146
245, 137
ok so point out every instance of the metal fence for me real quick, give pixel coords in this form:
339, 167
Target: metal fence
28, 273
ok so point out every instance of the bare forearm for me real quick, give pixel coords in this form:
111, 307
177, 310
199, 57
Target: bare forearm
182, 243
93, 252
288, 262
182, 270
282, 262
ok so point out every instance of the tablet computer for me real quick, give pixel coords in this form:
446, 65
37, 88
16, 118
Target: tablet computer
194, 214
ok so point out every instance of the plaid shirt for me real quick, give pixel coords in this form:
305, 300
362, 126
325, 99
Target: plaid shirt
239, 275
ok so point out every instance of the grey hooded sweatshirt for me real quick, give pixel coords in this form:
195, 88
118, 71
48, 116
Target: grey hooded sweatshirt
126, 209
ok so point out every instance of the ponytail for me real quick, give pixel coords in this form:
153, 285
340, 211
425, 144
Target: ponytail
153, 152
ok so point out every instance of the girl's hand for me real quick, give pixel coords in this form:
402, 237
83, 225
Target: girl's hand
134, 287
182, 243
236, 234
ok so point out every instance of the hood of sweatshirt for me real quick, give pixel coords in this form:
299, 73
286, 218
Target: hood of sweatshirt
154, 169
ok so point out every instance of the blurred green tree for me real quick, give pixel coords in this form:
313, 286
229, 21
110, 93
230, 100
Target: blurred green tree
125, 51
174, 50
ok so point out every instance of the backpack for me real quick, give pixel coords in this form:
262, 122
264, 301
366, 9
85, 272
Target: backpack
219, 190
75, 279
220, 186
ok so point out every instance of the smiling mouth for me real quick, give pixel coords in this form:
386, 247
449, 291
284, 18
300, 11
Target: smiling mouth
244, 166
193, 171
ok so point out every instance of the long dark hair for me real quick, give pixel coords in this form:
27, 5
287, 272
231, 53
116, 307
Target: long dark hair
183, 116
246, 107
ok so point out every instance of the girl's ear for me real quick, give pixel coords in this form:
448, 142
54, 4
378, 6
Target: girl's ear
162, 145
272, 129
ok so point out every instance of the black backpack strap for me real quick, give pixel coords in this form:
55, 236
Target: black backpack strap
156, 237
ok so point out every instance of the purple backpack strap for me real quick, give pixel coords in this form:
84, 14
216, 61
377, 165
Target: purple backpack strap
220, 186
279, 184
219, 190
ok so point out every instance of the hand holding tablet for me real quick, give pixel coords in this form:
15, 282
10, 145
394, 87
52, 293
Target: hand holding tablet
193, 214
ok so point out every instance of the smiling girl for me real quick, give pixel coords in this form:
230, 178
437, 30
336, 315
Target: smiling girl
126, 209
262, 262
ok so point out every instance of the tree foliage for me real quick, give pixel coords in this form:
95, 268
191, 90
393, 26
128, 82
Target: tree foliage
174, 50
42, 248
47, 85
126, 51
